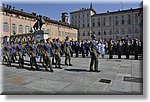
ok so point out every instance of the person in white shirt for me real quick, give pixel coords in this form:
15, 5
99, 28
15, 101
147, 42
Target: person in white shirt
102, 49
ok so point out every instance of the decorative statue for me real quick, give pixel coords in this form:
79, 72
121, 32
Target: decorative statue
39, 23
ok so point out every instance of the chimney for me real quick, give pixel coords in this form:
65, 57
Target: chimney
21, 10
107, 11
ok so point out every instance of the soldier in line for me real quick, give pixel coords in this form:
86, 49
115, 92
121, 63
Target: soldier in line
20, 53
94, 54
53, 47
48, 53
6, 51
57, 53
67, 50
13, 50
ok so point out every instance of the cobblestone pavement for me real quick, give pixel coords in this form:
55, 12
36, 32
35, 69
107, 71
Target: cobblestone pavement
116, 76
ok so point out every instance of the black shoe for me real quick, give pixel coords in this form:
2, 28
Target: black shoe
97, 71
70, 64
66, 64
46, 69
37, 69
90, 70
51, 70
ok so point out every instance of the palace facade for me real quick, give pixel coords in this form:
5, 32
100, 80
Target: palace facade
115, 25
20, 23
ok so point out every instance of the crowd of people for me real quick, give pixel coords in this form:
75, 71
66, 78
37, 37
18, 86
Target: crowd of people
50, 51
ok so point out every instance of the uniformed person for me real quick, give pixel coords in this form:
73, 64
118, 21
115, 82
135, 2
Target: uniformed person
119, 45
135, 49
94, 54
67, 50
57, 53
48, 54
20, 53
53, 48
13, 50
6, 50
127, 50
110, 49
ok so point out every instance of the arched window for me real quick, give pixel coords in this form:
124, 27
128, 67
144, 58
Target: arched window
26, 29
5, 27
20, 29
14, 28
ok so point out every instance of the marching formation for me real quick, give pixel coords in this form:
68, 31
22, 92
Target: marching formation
15, 50
49, 52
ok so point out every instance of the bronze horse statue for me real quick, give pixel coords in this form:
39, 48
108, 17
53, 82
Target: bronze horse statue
39, 23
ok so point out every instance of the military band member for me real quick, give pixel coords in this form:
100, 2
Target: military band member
67, 51
94, 54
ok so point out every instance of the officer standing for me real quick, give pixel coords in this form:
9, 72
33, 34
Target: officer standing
67, 50
94, 54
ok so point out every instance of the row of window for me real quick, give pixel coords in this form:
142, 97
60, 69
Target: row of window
78, 16
136, 31
14, 28
104, 23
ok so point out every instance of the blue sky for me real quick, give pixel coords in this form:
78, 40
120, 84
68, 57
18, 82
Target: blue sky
54, 10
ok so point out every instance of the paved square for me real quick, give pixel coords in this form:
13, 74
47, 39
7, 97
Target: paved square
75, 79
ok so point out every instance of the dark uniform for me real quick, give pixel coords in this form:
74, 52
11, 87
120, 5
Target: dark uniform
119, 49
135, 49
67, 51
83, 49
110, 49
94, 54
127, 50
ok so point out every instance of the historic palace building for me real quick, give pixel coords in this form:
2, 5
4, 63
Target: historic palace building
115, 25
20, 23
